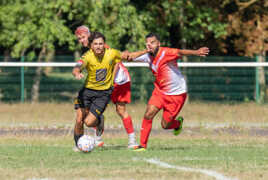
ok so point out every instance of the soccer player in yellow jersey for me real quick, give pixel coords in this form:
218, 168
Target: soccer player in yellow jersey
121, 95
99, 63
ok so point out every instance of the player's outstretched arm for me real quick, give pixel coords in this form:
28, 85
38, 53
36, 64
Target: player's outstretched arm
77, 72
203, 51
129, 56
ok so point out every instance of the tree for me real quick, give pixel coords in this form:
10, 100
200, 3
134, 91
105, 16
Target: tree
118, 20
181, 23
248, 25
32, 28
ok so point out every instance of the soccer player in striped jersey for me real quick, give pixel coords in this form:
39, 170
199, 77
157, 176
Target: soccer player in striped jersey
170, 90
121, 96
83, 115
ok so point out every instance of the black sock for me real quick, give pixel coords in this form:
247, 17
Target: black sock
99, 118
76, 137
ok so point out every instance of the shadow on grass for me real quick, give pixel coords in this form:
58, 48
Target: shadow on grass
170, 148
111, 147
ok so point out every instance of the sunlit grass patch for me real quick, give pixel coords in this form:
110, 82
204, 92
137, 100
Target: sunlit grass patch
26, 157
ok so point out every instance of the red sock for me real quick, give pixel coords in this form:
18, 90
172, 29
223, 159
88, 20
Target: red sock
128, 125
175, 124
145, 131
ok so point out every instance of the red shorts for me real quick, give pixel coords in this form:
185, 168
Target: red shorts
171, 104
121, 93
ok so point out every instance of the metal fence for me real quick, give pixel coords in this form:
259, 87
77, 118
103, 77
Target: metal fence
223, 84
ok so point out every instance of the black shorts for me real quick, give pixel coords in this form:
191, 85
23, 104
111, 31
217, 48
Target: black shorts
94, 100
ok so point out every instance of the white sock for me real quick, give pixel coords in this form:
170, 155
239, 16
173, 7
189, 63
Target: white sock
131, 136
98, 138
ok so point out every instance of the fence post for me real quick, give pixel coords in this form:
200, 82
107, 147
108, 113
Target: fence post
22, 81
257, 83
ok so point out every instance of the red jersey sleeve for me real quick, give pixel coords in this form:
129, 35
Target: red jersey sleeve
106, 46
171, 54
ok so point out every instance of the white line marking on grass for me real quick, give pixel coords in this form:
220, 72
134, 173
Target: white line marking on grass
203, 171
40, 179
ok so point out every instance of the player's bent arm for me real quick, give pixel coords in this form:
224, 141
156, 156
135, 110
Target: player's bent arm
129, 56
199, 52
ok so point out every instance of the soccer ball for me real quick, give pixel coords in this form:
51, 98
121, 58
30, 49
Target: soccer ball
86, 143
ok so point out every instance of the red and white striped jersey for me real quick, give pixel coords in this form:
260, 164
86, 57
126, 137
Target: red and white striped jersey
122, 75
168, 78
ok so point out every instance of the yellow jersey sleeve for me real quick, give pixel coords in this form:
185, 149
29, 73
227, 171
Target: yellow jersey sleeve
117, 55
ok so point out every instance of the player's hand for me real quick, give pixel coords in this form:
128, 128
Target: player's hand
203, 51
126, 55
79, 76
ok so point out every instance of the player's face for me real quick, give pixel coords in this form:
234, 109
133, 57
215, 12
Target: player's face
97, 46
83, 39
152, 45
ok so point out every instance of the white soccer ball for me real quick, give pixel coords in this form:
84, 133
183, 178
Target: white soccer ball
86, 143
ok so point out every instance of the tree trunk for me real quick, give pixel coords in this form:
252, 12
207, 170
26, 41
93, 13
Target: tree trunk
50, 55
6, 55
37, 77
261, 58
262, 80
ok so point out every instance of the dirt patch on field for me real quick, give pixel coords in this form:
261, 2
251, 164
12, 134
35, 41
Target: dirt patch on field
111, 131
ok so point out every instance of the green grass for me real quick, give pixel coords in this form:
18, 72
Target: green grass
52, 157
233, 150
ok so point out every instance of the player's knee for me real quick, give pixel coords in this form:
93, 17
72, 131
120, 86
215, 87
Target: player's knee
149, 115
120, 112
87, 123
79, 120
90, 121
164, 125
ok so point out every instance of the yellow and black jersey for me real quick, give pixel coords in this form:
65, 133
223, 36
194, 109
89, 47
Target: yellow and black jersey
100, 71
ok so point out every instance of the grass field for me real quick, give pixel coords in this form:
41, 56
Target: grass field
219, 141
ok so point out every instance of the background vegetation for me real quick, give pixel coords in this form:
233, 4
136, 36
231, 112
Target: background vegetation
41, 29
233, 27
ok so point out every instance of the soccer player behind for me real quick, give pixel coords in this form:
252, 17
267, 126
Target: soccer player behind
121, 94
170, 90
95, 95
82, 33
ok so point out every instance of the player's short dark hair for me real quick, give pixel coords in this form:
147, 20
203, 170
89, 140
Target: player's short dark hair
96, 35
152, 35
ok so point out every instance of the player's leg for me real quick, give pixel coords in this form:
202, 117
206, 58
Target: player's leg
79, 126
98, 104
154, 105
172, 107
146, 126
79, 121
127, 122
98, 138
91, 120
121, 96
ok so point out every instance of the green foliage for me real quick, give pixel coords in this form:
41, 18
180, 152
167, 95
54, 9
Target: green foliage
31, 25
122, 27
191, 21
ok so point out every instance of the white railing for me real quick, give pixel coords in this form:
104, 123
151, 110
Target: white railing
134, 64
